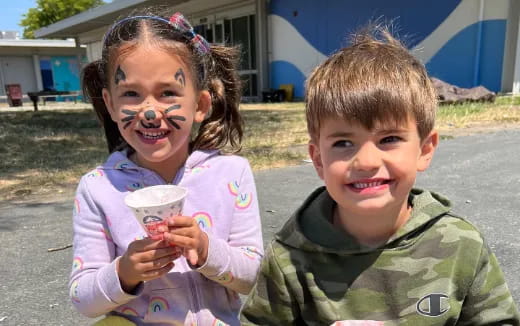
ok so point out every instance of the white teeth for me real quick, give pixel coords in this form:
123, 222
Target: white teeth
153, 135
362, 185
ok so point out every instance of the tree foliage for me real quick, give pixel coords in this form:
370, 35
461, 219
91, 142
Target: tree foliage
48, 12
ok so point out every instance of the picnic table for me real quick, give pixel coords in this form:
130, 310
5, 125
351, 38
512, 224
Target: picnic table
35, 96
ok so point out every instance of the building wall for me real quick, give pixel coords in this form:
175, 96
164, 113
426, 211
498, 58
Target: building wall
21, 64
460, 41
94, 51
28, 51
92, 39
65, 72
17, 70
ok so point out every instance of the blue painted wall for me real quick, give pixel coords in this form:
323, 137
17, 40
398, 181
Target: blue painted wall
456, 62
65, 72
325, 25
284, 72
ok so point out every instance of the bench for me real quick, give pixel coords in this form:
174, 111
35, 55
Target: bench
35, 96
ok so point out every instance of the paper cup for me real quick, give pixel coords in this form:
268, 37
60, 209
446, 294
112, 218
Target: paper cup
152, 206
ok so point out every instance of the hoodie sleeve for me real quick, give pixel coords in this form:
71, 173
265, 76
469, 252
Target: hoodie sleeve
94, 284
489, 301
234, 262
271, 302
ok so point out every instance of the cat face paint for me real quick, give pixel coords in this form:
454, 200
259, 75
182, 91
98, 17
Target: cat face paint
119, 76
130, 116
149, 115
171, 119
180, 77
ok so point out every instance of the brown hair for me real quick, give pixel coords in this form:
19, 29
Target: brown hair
374, 80
215, 71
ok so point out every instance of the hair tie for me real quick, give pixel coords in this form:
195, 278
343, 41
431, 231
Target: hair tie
179, 22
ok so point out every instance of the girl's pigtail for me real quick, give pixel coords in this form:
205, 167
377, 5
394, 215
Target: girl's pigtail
93, 84
224, 125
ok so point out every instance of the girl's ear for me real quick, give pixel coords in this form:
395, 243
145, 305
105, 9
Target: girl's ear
203, 106
314, 153
107, 98
428, 146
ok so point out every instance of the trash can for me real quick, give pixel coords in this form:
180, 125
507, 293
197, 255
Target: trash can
289, 91
14, 94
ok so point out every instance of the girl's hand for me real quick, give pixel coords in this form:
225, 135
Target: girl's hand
145, 260
184, 232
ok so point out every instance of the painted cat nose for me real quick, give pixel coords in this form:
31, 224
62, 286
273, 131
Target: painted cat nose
150, 115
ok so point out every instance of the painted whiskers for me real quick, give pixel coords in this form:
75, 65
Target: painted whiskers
131, 115
171, 119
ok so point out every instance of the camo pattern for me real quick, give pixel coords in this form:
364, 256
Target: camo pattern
437, 270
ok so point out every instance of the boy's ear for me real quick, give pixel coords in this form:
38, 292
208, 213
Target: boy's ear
428, 146
203, 106
107, 98
314, 153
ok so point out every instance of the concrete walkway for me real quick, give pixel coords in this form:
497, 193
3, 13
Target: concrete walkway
479, 173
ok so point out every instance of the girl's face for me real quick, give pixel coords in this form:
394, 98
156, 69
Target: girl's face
152, 97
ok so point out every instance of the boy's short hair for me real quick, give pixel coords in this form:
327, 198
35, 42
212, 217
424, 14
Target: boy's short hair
374, 80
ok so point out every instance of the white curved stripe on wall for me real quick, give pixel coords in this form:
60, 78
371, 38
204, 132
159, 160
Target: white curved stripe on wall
466, 14
287, 44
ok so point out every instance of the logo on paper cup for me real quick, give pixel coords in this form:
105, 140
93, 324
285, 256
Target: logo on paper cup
152, 224
151, 219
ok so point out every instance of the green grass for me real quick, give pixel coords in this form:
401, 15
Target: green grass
47, 151
504, 110
274, 137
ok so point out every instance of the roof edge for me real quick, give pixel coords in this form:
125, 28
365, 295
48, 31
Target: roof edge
39, 43
85, 16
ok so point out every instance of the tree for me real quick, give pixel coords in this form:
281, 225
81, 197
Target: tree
48, 12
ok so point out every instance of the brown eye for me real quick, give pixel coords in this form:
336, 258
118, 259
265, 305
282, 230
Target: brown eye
130, 94
342, 143
390, 139
168, 93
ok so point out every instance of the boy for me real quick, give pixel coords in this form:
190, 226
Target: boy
367, 249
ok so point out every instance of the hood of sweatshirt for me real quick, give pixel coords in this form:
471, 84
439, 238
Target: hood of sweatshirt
311, 229
120, 161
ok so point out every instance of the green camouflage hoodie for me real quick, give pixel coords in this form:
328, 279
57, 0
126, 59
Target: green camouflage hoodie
436, 270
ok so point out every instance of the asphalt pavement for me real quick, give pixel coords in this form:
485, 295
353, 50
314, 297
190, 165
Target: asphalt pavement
479, 173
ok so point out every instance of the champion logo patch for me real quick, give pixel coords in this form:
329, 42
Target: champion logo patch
433, 305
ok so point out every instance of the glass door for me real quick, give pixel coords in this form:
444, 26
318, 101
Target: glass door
237, 31
242, 32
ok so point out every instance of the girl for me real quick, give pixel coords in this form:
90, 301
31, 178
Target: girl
155, 80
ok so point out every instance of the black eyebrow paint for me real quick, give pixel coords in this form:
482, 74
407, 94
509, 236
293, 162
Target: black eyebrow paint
179, 76
120, 75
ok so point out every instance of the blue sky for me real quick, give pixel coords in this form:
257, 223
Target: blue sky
11, 13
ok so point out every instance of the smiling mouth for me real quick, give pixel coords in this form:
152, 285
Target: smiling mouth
153, 135
371, 184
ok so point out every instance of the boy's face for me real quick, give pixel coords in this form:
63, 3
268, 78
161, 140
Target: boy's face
370, 172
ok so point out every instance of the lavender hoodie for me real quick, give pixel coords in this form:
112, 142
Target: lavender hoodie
221, 196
